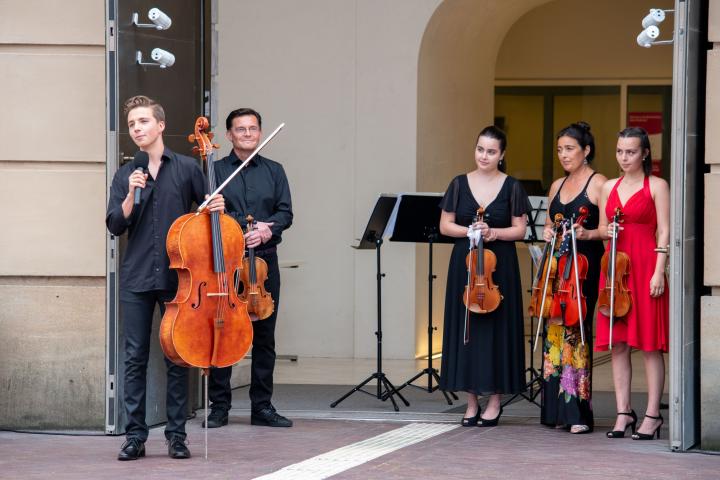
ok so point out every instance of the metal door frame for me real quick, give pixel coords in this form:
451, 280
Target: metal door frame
686, 231
111, 296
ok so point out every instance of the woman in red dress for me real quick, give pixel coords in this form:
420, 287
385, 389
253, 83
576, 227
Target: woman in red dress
644, 233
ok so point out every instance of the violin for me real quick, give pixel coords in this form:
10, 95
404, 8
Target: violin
549, 271
481, 294
206, 324
568, 302
253, 275
541, 297
615, 299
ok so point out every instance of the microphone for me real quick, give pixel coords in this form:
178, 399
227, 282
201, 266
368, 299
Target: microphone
141, 161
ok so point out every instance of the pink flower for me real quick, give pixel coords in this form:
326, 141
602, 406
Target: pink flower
569, 381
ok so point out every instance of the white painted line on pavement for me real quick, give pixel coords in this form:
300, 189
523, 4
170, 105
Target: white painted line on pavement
344, 458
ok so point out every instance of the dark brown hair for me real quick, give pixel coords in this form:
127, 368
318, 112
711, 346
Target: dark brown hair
638, 132
580, 131
241, 112
495, 133
142, 101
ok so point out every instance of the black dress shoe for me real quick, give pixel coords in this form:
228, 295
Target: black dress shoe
216, 419
177, 447
132, 449
268, 417
470, 421
490, 422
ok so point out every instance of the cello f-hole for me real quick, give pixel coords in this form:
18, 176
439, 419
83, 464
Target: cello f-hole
198, 298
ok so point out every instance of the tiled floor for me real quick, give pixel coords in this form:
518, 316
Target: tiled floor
515, 449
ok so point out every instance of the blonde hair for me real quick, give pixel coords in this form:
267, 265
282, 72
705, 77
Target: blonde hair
142, 101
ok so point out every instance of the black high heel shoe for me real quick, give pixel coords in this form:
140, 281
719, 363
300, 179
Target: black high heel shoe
632, 425
470, 421
650, 436
491, 422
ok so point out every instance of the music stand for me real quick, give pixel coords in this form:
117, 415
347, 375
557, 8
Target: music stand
373, 238
536, 219
416, 219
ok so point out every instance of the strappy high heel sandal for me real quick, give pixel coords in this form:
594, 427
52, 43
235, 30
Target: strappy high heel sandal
632, 425
650, 436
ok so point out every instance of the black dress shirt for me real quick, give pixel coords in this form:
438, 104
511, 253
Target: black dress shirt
260, 189
179, 183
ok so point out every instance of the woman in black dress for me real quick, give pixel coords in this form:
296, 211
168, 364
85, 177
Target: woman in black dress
567, 363
493, 360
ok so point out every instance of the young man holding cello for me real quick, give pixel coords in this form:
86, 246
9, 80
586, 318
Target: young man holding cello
260, 190
146, 197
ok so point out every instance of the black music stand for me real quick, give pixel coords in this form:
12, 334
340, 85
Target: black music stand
417, 219
536, 219
373, 238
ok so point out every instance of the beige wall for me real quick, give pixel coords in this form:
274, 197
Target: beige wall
52, 186
584, 40
342, 75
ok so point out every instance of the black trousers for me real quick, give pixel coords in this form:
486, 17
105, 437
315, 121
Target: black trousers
137, 311
263, 355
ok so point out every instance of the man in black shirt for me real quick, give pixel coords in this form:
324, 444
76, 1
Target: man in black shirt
261, 189
169, 187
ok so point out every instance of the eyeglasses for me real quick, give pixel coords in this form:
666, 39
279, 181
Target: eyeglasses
243, 130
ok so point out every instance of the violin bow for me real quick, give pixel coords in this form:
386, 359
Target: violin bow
237, 170
466, 337
613, 250
578, 292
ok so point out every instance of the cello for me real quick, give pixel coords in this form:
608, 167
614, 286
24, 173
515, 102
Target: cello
569, 303
253, 275
615, 298
206, 324
481, 294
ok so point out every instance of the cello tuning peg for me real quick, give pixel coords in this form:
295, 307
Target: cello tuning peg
191, 138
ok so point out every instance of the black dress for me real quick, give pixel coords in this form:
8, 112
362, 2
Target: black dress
494, 359
567, 364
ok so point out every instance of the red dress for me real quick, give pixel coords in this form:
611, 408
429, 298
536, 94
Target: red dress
646, 326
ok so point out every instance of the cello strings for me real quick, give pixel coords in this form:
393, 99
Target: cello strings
218, 254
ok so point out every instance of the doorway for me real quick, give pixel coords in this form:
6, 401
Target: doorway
183, 90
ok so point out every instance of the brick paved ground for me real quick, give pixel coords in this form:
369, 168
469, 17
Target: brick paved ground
518, 448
